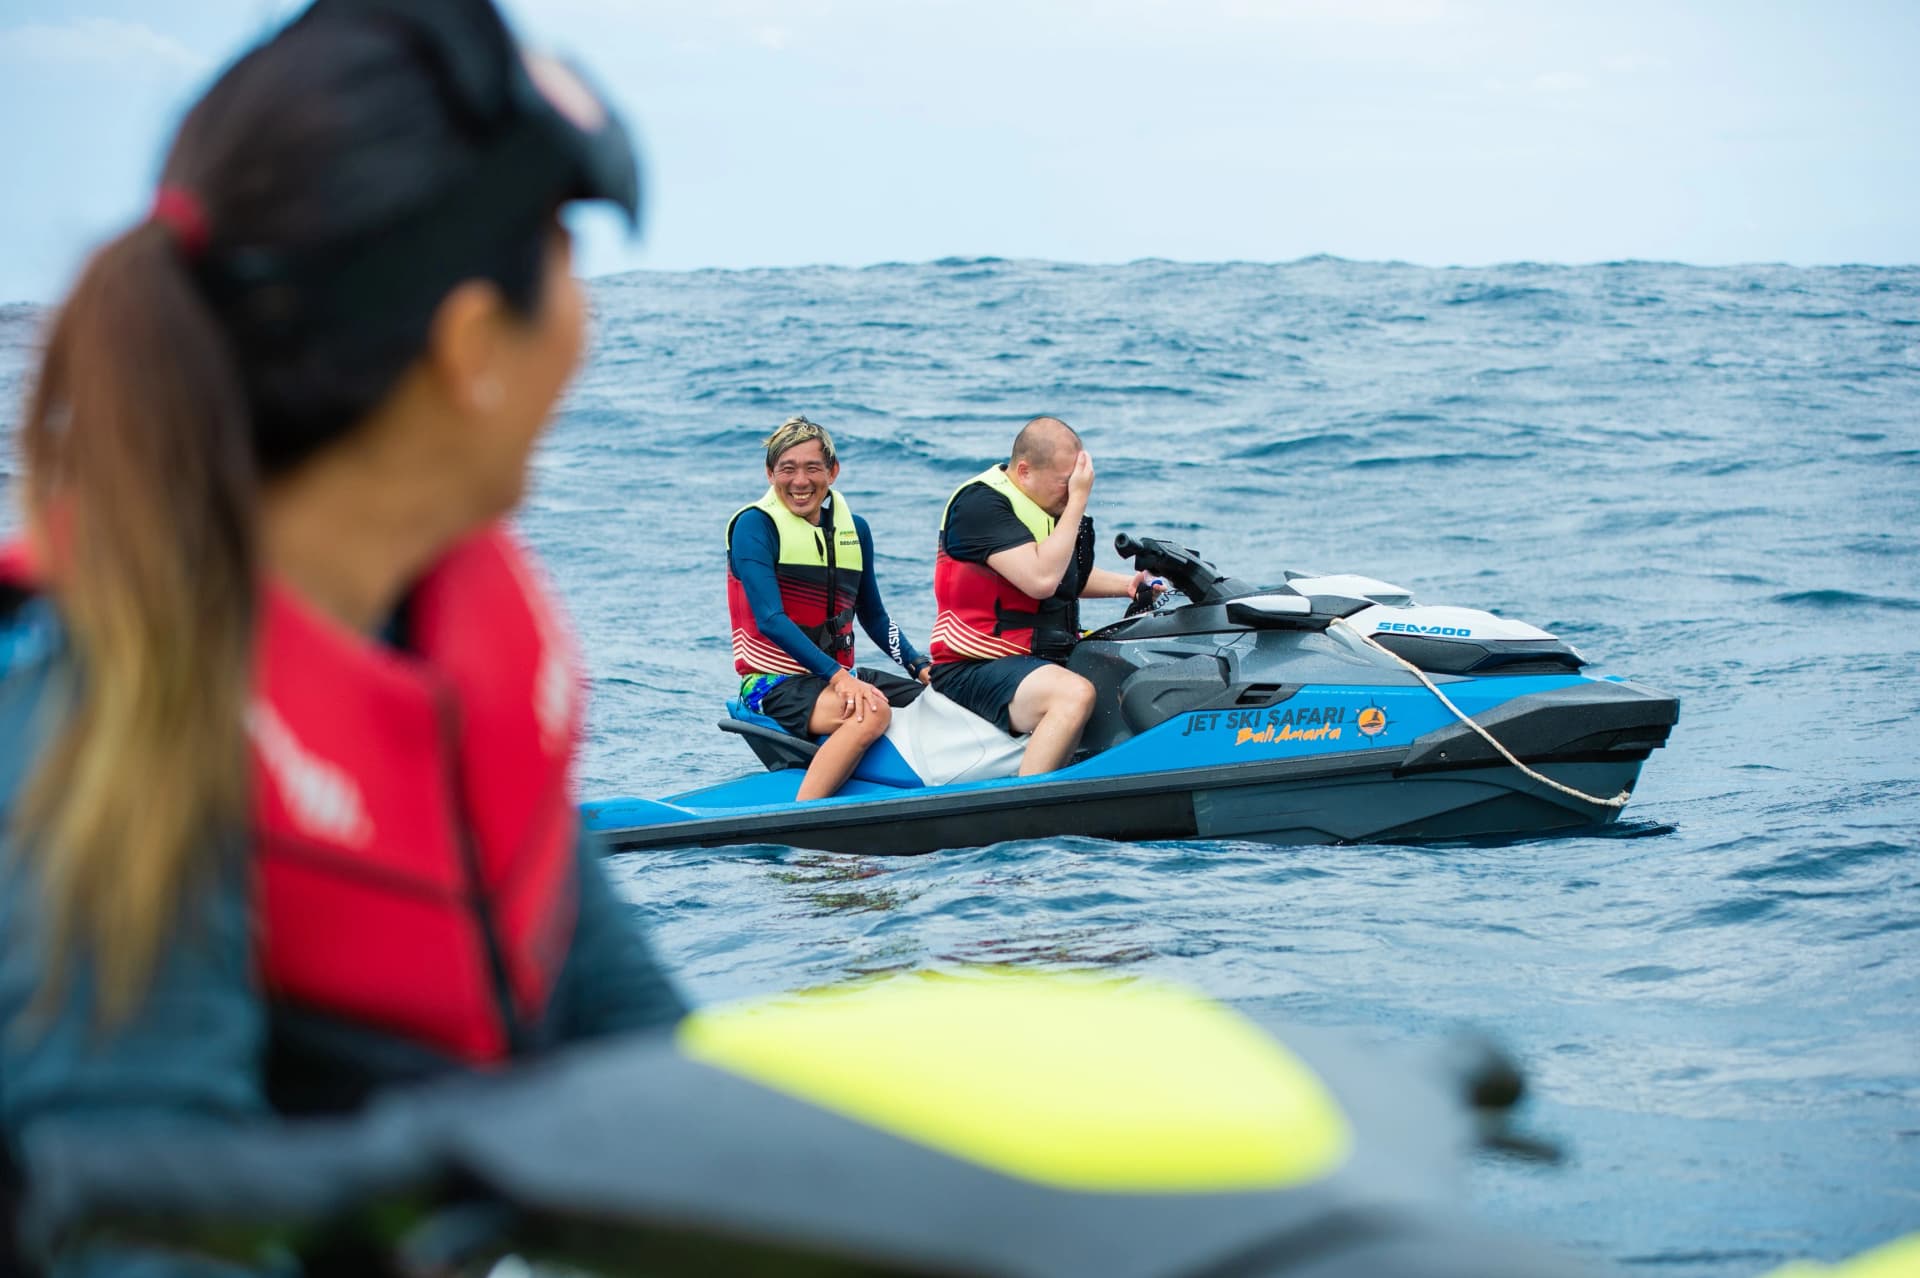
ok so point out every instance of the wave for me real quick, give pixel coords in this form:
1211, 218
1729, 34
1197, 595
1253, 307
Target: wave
1746, 909
1437, 459
1822, 863
1498, 294
1843, 599
1743, 1257
1885, 544
1521, 371
1333, 441
1119, 388
1887, 926
1648, 973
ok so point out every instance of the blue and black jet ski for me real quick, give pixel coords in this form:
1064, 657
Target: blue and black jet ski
1328, 708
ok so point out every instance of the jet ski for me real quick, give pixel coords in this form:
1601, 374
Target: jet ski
990, 1123
1327, 708
1005, 1124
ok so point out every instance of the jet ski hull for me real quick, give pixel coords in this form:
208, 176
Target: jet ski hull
1257, 775
1346, 803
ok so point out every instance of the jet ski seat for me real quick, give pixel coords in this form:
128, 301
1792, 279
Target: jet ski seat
777, 749
771, 743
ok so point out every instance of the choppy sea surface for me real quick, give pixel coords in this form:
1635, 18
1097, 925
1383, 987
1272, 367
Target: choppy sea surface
1706, 479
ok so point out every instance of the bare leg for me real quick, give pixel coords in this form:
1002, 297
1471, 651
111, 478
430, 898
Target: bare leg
850, 732
1052, 703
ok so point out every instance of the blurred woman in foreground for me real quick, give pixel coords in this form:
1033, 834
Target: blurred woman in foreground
287, 718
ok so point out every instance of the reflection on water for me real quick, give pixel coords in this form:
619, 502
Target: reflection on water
820, 879
1070, 948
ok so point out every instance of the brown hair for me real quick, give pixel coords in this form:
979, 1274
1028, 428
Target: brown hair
140, 490
161, 403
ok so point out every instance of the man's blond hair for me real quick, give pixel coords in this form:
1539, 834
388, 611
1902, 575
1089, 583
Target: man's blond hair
792, 433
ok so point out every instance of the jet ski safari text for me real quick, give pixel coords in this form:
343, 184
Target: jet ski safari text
1279, 723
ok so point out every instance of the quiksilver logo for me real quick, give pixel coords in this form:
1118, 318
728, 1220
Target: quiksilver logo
321, 796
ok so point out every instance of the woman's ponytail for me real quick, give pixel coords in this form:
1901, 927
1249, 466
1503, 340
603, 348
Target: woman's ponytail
140, 491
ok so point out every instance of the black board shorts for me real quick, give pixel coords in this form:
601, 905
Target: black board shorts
987, 687
790, 702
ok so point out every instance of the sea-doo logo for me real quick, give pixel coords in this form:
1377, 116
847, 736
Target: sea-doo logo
1372, 721
1409, 628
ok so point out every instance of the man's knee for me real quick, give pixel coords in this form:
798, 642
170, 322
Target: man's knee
1067, 693
1075, 696
1051, 693
874, 726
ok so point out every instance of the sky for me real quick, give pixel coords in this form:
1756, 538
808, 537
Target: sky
791, 132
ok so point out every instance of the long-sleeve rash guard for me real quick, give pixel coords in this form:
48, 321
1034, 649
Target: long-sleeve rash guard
756, 547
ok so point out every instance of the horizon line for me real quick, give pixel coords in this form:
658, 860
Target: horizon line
964, 260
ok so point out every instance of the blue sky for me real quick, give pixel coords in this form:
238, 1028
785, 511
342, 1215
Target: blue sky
781, 132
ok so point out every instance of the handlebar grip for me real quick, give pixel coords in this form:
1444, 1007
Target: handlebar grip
1126, 546
1142, 601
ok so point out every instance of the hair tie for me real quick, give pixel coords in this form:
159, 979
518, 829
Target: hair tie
181, 212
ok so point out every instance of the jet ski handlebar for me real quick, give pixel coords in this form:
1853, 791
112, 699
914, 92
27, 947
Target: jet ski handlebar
1191, 575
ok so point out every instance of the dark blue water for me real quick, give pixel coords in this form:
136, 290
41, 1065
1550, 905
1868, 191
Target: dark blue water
1707, 479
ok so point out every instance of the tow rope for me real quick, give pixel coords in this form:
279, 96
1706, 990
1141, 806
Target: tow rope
1617, 802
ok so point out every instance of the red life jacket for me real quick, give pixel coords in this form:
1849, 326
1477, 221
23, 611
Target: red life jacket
980, 615
413, 815
810, 569
16, 566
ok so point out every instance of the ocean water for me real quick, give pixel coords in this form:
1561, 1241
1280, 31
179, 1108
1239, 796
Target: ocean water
1707, 479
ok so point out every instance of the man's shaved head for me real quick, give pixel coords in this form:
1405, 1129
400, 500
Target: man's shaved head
1043, 440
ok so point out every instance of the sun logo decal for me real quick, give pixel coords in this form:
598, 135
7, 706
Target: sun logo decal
1372, 722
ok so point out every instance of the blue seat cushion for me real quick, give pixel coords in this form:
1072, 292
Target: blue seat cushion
881, 763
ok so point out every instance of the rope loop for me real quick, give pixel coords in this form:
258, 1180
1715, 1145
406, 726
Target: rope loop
1617, 802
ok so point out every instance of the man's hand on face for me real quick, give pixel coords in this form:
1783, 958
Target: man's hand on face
1080, 482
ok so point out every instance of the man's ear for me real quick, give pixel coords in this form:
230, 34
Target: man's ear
464, 343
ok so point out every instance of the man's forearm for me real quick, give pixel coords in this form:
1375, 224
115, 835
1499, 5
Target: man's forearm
1056, 552
1038, 567
1102, 584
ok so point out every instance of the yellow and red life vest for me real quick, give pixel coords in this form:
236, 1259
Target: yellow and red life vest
980, 615
811, 570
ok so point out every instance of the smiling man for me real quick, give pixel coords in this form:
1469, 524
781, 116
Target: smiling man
1015, 559
799, 570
